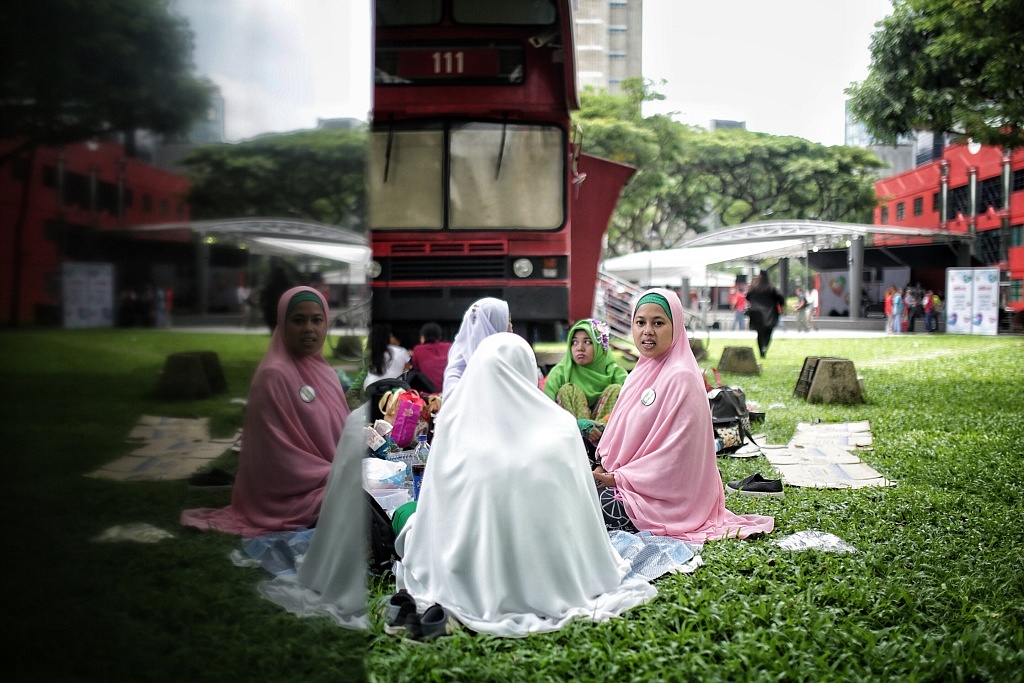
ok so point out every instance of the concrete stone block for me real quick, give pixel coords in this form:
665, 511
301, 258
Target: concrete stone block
835, 381
739, 360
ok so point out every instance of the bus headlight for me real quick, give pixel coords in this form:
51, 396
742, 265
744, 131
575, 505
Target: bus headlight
375, 269
523, 267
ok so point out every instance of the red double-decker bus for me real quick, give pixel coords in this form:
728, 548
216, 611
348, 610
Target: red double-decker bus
477, 185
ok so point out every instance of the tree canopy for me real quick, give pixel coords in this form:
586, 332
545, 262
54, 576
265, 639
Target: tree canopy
690, 180
947, 66
311, 174
72, 70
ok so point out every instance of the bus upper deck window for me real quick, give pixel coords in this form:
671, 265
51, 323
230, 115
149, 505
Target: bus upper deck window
408, 12
506, 176
505, 12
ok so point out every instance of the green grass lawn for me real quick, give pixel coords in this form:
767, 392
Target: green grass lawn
935, 591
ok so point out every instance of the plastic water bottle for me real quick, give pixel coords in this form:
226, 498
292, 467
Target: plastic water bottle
422, 449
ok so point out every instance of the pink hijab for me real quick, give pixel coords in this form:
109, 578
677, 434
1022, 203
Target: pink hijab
660, 446
288, 441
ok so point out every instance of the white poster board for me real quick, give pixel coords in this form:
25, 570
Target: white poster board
833, 293
972, 301
88, 294
985, 314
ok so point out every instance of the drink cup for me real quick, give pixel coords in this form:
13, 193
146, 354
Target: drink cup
417, 479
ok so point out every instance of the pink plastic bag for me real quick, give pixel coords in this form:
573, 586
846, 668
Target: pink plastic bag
407, 415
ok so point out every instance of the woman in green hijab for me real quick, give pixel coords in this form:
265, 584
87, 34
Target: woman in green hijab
587, 380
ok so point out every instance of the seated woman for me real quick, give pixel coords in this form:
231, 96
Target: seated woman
508, 534
658, 469
293, 421
484, 318
388, 358
430, 356
587, 380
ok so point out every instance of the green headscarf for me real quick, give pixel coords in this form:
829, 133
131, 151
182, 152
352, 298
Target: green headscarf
303, 296
592, 378
653, 298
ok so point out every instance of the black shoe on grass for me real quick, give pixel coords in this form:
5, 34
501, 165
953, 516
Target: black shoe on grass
756, 485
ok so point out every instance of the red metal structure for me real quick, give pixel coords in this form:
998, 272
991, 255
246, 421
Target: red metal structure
973, 190
477, 184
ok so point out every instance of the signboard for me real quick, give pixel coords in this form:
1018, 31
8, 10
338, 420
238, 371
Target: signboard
88, 294
985, 314
972, 301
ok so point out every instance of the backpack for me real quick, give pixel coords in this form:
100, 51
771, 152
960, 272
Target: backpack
730, 419
380, 546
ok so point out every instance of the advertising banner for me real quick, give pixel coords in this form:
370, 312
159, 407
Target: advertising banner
972, 301
985, 312
959, 300
88, 294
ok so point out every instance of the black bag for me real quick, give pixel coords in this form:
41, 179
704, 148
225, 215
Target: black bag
729, 416
380, 546
374, 391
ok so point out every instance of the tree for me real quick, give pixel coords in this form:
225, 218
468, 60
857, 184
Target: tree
689, 179
312, 174
663, 201
948, 66
756, 176
71, 70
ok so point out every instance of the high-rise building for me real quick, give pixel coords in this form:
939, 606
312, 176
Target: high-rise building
609, 40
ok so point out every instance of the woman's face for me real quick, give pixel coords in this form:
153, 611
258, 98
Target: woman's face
652, 330
582, 348
305, 329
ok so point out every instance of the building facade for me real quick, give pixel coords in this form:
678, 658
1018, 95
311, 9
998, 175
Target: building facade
72, 205
609, 42
968, 189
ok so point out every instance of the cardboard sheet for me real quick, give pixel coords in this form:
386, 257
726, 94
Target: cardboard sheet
168, 449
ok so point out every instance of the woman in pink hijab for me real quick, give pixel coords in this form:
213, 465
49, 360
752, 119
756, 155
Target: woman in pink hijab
293, 421
657, 453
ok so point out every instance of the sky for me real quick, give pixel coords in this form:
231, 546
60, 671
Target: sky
779, 65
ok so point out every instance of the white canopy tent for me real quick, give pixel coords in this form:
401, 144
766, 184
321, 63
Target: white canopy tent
671, 266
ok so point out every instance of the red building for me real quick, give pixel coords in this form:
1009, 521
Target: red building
71, 204
972, 190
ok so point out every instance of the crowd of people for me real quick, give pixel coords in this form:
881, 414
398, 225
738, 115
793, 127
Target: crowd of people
527, 474
905, 306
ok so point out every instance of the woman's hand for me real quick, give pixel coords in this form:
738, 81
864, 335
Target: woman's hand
602, 478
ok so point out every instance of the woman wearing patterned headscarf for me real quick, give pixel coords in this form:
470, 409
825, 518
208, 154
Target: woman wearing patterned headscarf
587, 380
658, 468
293, 422
485, 317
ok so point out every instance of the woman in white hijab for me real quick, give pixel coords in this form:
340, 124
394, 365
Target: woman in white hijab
508, 535
484, 318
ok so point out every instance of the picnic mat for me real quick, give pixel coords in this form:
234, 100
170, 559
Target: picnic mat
169, 448
824, 455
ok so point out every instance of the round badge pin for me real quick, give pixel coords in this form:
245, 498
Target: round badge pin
307, 394
647, 398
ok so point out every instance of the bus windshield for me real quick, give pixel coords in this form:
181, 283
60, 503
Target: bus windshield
500, 176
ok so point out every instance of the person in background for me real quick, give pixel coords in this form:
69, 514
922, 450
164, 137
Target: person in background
812, 307
897, 311
388, 358
508, 535
800, 308
764, 304
485, 317
936, 311
430, 356
270, 295
293, 421
738, 304
587, 380
659, 472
